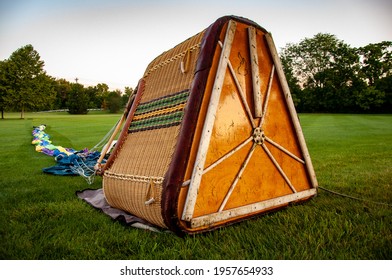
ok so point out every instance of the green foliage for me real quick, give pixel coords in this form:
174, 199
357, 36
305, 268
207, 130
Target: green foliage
25, 84
114, 101
98, 94
78, 100
3, 88
42, 218
327, 75
385, 85
324, 75
62, 87
376, 61
128, 92
370, 99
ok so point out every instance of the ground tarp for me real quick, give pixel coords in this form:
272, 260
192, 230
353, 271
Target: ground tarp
96, 198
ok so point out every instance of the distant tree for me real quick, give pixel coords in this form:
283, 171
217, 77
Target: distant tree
385, 85
291, 78
128, 92
98, 94
26, 84
78, 99
376, 73
3, 88
62, 87
103, 91
113, 101
376, 61
322, 71
370, 99
91, 91
310, 57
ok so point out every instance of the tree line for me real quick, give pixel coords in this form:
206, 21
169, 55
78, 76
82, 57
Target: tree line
327, 75
324, 75
25, 86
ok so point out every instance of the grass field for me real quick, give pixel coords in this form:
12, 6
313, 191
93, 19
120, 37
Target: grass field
42, 218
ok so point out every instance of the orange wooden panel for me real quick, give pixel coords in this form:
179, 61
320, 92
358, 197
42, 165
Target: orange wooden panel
261, 180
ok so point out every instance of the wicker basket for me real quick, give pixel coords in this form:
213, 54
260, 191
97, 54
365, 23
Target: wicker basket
212, 136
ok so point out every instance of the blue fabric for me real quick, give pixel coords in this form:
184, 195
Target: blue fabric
67, 164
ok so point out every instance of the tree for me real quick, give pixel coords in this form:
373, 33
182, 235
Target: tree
62, 87
113, 101
385, 85
26, 83
376, 61
3, 88
78, 99
310, 57
102, 91
370, 99
292, 80
128, 92
325, 69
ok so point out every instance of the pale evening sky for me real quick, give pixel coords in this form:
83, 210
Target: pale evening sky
112, 41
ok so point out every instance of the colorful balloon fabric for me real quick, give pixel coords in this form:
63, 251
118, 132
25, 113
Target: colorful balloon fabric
69, 161
42, 143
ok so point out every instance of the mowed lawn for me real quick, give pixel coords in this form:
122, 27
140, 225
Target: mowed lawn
42, 218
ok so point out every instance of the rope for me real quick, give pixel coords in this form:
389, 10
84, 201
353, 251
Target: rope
150, 195
169, 60
104, 140
85, 171
135, 178
88, 172
185, 66
355, 198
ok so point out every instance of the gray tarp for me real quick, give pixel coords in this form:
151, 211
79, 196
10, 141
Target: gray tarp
96, 198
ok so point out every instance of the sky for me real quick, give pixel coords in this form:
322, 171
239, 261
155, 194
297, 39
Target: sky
113, 41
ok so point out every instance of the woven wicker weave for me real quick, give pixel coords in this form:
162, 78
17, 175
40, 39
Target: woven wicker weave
134, 180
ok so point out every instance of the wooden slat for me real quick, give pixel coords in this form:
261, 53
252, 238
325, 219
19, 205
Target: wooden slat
278, 167
237, 177
198, 168
284, 150
254, 62
290, 105
241, 92
267, 95
242, 95
210, 219
223, 158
